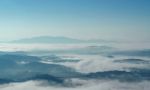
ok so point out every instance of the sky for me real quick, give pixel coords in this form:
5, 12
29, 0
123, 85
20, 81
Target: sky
83, 19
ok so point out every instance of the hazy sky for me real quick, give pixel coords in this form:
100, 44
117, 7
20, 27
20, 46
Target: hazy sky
105, 19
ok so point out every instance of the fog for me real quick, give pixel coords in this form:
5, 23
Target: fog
74, 67
95, 85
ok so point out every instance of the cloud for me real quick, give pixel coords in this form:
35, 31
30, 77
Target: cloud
139, 53
90, 85
96, 63
87, 68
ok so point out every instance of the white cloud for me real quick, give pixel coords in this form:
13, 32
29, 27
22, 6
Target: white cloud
89, 85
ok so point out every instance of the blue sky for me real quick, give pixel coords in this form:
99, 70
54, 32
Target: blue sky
86, 19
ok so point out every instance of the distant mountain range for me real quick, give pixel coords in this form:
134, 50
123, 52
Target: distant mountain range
50, 39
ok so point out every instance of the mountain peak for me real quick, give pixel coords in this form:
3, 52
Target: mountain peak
56, 39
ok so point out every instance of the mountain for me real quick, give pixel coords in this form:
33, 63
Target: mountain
139, 53
50, 39
127, 76
133, 61
20, 68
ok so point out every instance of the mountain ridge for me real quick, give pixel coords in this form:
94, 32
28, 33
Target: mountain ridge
58, 39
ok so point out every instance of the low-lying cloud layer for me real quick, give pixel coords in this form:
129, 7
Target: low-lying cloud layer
93, 85
84, 68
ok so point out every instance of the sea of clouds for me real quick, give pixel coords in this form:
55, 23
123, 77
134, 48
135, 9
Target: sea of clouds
75, 67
